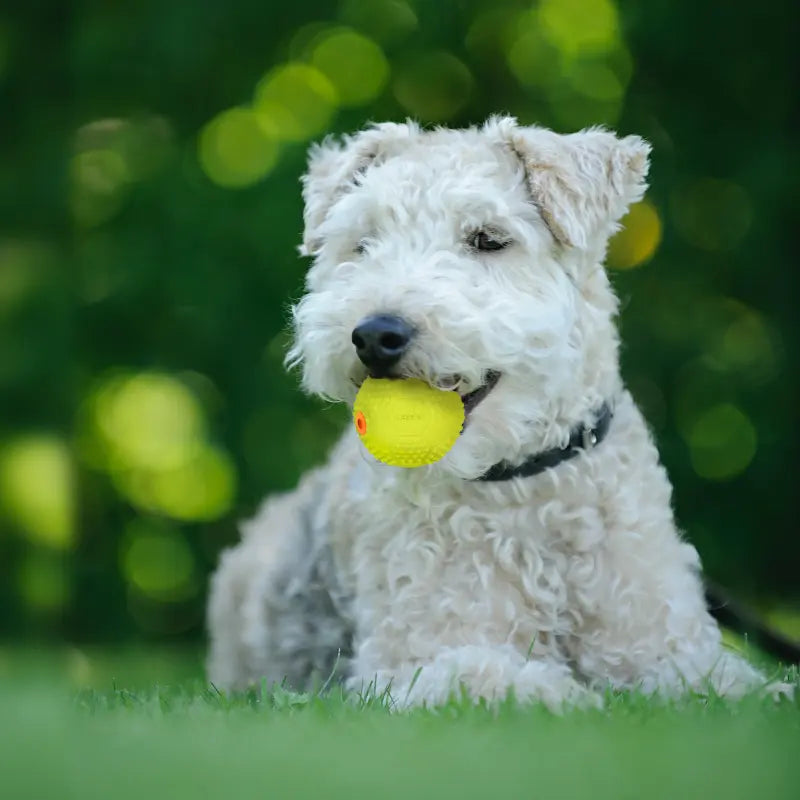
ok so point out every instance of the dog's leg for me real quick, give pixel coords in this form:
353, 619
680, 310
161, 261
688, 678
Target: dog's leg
274, 609
636, 597
482, 673
644, 623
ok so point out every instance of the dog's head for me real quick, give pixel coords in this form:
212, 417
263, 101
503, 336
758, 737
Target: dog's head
472, 259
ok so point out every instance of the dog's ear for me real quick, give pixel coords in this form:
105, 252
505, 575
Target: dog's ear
334, 167
582, 182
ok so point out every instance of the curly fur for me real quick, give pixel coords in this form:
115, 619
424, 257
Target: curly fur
426, 580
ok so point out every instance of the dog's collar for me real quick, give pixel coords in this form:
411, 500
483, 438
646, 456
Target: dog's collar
581, 438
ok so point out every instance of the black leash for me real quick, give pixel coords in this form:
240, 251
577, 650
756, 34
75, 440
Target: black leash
744, 620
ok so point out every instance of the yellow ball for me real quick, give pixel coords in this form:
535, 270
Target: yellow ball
406, 422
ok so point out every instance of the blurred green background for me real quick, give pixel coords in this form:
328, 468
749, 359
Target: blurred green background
150, 213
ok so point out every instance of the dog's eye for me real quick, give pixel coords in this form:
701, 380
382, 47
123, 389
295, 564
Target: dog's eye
480, 240
361, 247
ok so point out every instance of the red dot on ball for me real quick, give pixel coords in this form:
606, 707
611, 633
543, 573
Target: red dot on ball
361, 423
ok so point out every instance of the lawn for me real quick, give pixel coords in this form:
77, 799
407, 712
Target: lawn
143, 724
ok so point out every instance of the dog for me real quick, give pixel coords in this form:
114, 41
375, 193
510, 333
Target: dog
539, 556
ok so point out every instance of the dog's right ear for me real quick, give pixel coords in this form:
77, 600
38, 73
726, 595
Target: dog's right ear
334, 167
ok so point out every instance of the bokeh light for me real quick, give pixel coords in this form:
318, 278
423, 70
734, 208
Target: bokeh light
200, 487
99, 183
111, 155
143, 143
295, 101
158, 562
697, 388
148, 431
306, 37
147, 420
387, 21
37, 486
101, 172
738, 340
433, 86
596, 81
638, 239
712, 214
355, 66
236, 149
579, 26
571, 56
533, 59
722, 442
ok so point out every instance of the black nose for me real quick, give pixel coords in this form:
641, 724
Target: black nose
381, 340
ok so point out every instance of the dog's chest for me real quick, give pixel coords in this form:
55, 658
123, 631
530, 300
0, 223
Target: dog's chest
432, 570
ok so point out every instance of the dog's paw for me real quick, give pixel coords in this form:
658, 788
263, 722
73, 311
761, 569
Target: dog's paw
779, 690
554, 686
491, 676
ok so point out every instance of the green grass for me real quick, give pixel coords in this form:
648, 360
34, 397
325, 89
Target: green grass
143, 724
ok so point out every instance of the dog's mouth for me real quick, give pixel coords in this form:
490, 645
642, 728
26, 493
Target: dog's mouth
472, 398
455, 383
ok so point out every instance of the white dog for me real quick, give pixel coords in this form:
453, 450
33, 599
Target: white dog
540, 555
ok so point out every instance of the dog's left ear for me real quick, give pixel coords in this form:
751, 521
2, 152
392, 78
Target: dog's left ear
583, 183
334, 166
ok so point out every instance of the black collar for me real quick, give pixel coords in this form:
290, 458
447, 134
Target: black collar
581, 438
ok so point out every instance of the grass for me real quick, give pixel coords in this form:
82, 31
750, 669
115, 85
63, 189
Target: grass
144, 725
